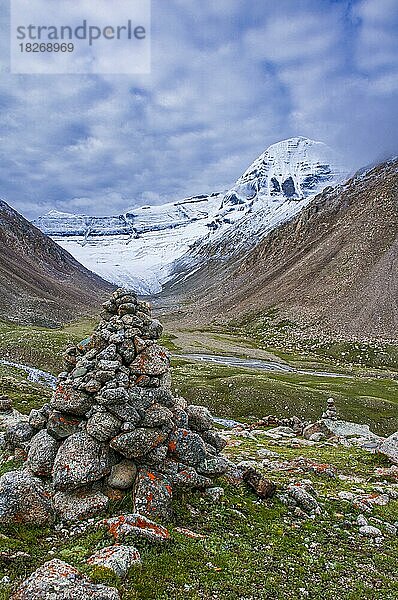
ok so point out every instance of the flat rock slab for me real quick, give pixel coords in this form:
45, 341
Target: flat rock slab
24, 499
137, 525
117, 558
58, 580
79, 505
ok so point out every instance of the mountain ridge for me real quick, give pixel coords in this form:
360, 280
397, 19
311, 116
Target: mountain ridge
40, 282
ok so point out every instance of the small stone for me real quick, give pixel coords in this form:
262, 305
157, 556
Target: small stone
61, 425
57, 579
152, 361
69, 400
263, 487
214, 466
113, 396
188, 447
214, 439
303, 499
390, 529
37, 419
199, 418
103, 426
118, 559
139, 442
19, 435
152, 495
369, 531
215, 493
122, 475
361, 521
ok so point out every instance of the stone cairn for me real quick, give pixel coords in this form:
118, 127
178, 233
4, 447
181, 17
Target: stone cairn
331, 410
113, 427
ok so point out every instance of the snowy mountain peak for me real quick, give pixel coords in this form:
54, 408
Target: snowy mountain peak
290, 170
140, 248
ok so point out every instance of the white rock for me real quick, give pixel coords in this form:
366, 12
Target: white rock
117, 558
369, 531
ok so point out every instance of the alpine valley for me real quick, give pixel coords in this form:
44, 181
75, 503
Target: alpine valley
146, 247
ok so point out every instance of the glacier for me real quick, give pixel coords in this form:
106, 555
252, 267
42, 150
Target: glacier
145, 247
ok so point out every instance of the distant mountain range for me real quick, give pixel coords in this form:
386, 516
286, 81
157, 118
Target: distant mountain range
331, 268
145, 247
41, 283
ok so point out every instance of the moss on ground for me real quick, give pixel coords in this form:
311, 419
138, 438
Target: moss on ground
251, 548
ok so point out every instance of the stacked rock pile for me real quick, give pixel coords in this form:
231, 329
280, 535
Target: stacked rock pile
112, 427
331, 410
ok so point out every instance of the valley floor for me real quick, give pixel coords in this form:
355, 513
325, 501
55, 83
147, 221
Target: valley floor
251, 549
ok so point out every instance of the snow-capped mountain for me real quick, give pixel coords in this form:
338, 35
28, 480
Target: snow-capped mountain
147, 246
135, 249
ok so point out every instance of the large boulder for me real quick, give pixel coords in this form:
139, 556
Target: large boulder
58, 580
80, 460
42, 452
24, 499
389, 447
80, 504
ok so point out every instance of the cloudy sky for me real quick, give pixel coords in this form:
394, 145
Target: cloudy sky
229, 78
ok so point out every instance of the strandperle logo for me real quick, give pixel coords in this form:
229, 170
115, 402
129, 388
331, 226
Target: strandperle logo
85, 31
80, 36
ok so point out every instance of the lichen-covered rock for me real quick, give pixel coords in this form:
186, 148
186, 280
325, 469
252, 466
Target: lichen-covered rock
69, 400
214, 439
103, 426
139, 442
58, 580
79, 505
188, 447
61, 425
19, 435
188, 477
38, 418
158, 416
135, 524
117, 558
79, 461
24, 499
152, 495
215, 466
303, 499
42, 452
199, 418
152, 361
122, 475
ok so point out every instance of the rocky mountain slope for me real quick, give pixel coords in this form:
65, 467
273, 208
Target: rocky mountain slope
332, 268
143, 248
40, 282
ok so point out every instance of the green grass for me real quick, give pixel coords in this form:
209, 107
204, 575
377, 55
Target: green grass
38, 346
252, 548
246, 394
